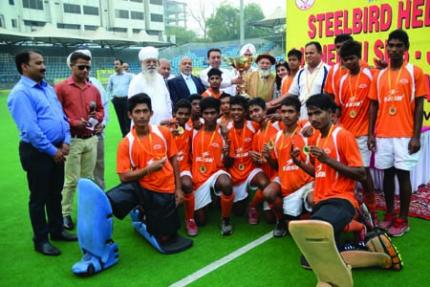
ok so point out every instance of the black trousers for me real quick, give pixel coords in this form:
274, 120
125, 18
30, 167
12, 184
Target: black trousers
45, 181
161, 215
120, 105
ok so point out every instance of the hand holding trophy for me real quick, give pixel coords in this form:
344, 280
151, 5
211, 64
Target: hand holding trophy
241, 64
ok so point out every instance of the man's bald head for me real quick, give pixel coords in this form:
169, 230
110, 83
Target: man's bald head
164, 68
186, 66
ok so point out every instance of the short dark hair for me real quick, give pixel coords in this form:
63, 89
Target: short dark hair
209, 102
224, 95
401, 35
78, 55
182, 103
141, 98
316, 44
23, 57
292, 101
214, 72
321, 101
350, 48
282, 63
257, 102
119, 60
213, 50
194, 97
295, 53
239, 100
342, 38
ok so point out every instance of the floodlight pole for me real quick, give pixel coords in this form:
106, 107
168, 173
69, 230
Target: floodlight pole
242, 24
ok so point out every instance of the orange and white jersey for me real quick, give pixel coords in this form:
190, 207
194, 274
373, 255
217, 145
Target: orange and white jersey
395, 92
240, 146
335, 73
207, 155
183, 144
354, 102
263, 137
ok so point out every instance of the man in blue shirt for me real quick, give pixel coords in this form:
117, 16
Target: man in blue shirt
45, 138
118, 91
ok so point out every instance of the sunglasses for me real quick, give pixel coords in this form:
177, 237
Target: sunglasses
83, 67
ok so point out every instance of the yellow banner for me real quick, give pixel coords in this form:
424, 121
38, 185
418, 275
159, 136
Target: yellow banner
368, 21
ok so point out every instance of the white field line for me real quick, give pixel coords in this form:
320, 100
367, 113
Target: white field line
220, 262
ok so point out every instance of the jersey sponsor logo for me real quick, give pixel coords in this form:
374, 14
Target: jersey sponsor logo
215, 145
393, 98
204, 159
157, 146
404, 81
353, 104
247, 140
363, 86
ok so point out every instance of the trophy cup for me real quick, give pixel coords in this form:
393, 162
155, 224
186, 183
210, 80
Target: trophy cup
241, 64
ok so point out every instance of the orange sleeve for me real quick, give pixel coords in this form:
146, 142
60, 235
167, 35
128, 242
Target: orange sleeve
171, 145
373, 93
421, 88
255, 141
123, 163
328, 86
349, 150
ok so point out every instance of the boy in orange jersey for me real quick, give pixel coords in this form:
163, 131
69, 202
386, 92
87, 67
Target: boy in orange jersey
239, 162
225, 117
215, 80
287, 192
338, 70
265, 135
294, 62
209, 151
148, 169
395, 121
183, 133
195, 120
352, 98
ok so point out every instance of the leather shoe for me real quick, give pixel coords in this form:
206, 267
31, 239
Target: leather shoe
46, 248
68, 222
64, 236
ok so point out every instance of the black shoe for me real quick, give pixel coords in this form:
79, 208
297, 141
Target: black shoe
226, 228
68, 223
46, 248
304, 263
64, 236
280, 229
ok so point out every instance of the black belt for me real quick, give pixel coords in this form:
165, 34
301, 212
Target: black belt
82, 136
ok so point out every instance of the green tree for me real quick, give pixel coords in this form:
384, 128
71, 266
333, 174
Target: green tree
224, 25
182, 35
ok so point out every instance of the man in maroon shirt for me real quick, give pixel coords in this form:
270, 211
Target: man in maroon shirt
82, 105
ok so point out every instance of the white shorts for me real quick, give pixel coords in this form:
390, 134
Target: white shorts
393, 152
202, 196
241, 190
364, 150
185, 172
293, 203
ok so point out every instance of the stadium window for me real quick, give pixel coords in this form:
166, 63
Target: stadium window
123, 14
14, 25
90, 27
136, 15
156, 2
71, 8
11, 2
34, 23
136, 31
69, 26
138, 1
33, 4
1, 21
90, 10
156, 18
122, 30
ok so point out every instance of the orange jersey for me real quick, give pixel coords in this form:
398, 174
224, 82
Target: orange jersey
206, 155
211, 93
291, 177
340, 145
286, 84
354, 102
183, 144
262, 137
138, 152
224, 121
395, 92
333, 78
240, 145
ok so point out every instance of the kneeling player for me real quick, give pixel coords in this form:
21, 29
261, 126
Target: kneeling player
209, 150
286, 193
239, 162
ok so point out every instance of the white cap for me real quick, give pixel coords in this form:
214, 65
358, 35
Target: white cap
250, 48
83, 51
148, 53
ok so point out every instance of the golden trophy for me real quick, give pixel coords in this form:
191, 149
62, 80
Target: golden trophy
241, 64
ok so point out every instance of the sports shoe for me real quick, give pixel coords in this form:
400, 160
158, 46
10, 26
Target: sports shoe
380, 242
252, 216
387, 222
191, 227
280, 229
226, 228
304, 263
399, 228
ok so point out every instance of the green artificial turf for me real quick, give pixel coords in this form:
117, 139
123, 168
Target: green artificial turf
275, 262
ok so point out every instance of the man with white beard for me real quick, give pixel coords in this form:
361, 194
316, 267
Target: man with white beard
150, 82
261, 83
